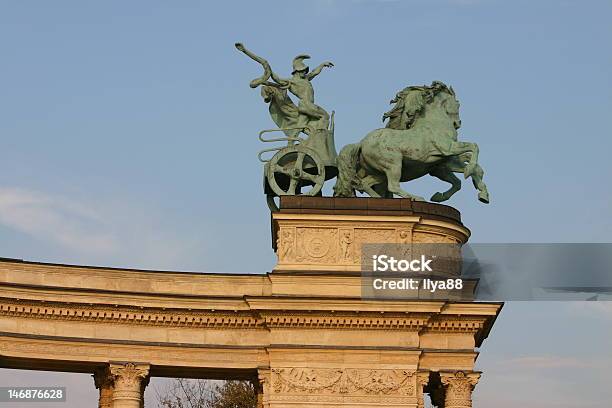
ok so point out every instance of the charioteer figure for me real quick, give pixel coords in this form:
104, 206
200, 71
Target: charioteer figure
307, 117
310, 156
310, 114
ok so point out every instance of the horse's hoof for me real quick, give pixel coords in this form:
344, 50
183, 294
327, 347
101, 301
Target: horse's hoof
438, 198
483, 197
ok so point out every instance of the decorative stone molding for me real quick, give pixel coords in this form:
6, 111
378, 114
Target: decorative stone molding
342, 381
242, 320
314, 241
455, 325
346, 321
458, 388
130, 380
128, 315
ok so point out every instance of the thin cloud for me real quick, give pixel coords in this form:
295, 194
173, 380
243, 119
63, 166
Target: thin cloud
547, 362
55, 219
102, 233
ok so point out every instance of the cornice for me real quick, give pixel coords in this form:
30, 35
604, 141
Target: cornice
129, 315
455, 324
362, 321
356, 304
285, 317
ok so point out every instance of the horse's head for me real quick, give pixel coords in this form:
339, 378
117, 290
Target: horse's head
435, 102
450, 104
415, 103
270, 93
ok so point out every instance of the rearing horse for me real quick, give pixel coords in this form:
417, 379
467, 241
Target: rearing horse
428, 145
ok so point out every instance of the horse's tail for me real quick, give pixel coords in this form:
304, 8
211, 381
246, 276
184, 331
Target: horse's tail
347, 170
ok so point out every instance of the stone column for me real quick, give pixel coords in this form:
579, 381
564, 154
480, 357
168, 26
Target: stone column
458, 388
130, 380
104, 382
262, 387
421, 381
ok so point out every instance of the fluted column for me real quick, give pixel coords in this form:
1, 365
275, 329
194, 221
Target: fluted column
129, 380
421, 381
458, 387
104, 383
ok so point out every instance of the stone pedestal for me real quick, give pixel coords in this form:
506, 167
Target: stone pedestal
321, 238
326, 234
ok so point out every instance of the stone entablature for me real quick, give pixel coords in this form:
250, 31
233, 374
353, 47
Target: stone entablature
254, 319
330, 344
307, 338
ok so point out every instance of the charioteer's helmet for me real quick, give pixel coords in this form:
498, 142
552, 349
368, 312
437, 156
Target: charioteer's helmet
298, 63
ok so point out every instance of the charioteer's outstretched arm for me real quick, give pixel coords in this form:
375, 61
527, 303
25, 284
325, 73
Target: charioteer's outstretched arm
318, 69
262, 80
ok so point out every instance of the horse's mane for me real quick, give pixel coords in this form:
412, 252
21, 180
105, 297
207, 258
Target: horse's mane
410, 103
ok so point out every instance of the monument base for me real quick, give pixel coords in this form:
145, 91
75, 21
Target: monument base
326, 234
302, 333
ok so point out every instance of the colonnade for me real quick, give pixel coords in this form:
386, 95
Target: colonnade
122, 385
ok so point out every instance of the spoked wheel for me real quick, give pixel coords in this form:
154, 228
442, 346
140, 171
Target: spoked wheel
294, 167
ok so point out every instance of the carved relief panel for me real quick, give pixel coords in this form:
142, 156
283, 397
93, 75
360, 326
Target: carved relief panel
337, 385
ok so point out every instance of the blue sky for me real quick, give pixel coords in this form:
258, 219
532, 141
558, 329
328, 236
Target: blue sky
129, 138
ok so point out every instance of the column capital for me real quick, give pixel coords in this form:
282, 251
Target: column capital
263, 374
104, 382
458, 387
102, 378
129, 374
422, 378
130, 380
460, 377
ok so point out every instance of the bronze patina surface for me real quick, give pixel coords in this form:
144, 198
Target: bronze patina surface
420, 138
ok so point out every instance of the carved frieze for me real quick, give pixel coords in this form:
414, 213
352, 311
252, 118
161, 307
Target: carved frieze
343, 381
341, 244
310, 241
285, 244
335, 245
316, 245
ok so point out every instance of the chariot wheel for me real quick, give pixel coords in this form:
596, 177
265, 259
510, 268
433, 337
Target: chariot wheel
294, 167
